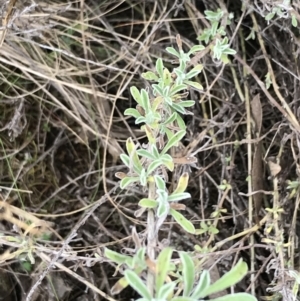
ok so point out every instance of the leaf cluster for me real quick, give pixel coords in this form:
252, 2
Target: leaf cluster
216, 35
187, 286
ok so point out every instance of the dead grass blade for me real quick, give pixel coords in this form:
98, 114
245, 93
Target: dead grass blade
257, 164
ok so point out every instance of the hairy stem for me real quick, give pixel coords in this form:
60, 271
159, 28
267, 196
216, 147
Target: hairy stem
151, 240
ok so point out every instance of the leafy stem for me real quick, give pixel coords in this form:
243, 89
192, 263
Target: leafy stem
151, 239
159, 111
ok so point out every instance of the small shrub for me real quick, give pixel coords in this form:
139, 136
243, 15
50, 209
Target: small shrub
158, 276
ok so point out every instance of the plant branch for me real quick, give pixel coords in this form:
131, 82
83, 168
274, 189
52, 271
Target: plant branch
151, 239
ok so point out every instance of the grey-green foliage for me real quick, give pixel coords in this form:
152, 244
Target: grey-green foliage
192, 285
216, 35
159, 111
282, 10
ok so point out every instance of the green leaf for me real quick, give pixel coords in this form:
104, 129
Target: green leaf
229, 51
171, 50
213, 16
270, 16
186, 103
196, 48
188, 272
166, 290
180, 122
224, 58
146, 154
150, 76
137, 284
223, 186
293, 184
130, 146
174, 141
178, 108
120, 285
158, 90
176, 197
162, 195
268, 80
160, 67
166, 91
170, 119
136, 95
213, 28
236, 297
141, 119
180, 73
203, 225
221, 31
220, 47
163, 266
236, 274
168, 132
127, 181
202, 285
213, 230
153, 166
193, 84
167, 79
200, 231
194, 72
143, 177
149, 134
125, 159
205, 36
152, 117
163, 209
139, 260
217, 53
156, 103
145, 100
160, 183
182, 183
148, 203
177, 88
166, 157
294, 21
251, 35
132, 112
116, 257
155, 151
131, 150
182, 221
26, 265
169, 164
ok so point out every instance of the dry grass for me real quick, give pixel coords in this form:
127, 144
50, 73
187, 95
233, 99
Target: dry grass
65, 72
